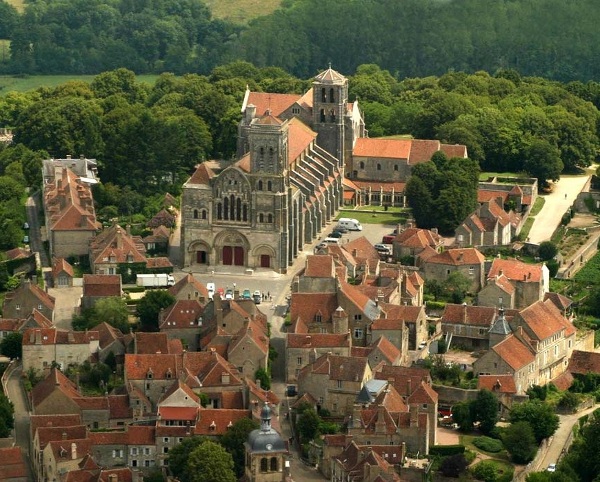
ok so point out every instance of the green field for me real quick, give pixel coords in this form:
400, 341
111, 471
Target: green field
31, 82
369, 217
241, 11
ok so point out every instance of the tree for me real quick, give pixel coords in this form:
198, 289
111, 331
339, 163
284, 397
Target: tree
308, 425
547, 250
542, 161
485, 470
233, 441
456, 286
6, 416
485, 408
539, 415
569, 401
179, 455
519, 440
454, 465
11, 345
210, 462
149, 307
461, 414
112, 310
263, 376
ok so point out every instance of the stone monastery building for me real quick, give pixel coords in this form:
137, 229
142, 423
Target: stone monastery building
286, 185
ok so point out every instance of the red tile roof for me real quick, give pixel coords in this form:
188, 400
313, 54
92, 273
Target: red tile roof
12, 464
423, 394
497, 383
337, 367
189, 280
318, 340
181, 315
469, 315
584, 362
319, 266
299, 138
544, 319
215, 421
458, 257
380, 186
382, 148
275, 103
151, 343
514, 352
418, 238
102, 285
178, 413
202, 175
307, 305
61, 265
516, 270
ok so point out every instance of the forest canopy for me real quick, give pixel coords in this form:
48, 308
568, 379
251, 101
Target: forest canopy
411, 38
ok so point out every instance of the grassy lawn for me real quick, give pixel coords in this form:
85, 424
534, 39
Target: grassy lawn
484, 176
537, 206
526, 228
241, 11
380, 217
467, 441
390, 209
23, 84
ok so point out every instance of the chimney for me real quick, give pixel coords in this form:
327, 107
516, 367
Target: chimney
68, 157
524, 277
113, 478
73, 451
250, 112
128, 229
434, 230
257, 381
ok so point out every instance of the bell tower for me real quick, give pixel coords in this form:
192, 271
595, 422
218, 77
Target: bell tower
268, 145
330, 97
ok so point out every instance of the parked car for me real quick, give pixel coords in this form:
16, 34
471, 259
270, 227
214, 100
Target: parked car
341, 229
290, 391
25, 225
382, 248
551, 468
211, 290
257, 297
335, 234
229, 294
26, 239
221, 292
246, 295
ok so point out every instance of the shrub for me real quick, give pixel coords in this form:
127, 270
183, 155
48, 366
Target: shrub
485, 470
488, 444
453, 465
446, 450
547, 250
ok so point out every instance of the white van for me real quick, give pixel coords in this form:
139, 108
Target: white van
349, 223
331, 241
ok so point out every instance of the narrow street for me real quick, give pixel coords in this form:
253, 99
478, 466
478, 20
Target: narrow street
17, 396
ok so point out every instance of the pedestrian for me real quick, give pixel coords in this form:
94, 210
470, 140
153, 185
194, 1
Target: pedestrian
269, 295
565, 195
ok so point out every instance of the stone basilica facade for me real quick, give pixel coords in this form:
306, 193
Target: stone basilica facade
286, 184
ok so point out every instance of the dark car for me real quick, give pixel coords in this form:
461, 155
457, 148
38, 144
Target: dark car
335, 234
340, 229
290, 391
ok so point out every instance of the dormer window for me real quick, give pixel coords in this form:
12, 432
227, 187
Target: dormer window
149, 375
213, 426
318, 318
169, 374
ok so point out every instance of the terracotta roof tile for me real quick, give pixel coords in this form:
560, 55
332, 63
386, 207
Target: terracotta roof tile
61, 265
12, 464
454, 150
516, 270
484, 195
423, 394
458, 257
214, 421
318, 340
275, 103
421, 150
306, 306
543, 318
189, 280
300, 137
151, 343
202, 175
382, 148
514, 352
102, 285
497, 383
469, 315
319, 266
584, 362
337, 367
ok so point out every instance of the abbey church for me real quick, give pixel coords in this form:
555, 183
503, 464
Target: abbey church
285, 185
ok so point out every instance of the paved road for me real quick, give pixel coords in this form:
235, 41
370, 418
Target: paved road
557, 202
35, 238
560, 437
16, 394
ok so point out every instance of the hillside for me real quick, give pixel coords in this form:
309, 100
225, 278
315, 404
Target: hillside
240, 11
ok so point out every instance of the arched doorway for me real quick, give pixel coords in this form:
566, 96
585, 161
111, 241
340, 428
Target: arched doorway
232, 248
264, 256
199, 253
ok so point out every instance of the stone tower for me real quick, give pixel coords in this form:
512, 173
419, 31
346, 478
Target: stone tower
330, 98
265, 452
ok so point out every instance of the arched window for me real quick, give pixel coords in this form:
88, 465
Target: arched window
379, 167
271, 154
323, 95
262, 153
322, 115
238, 209
260, 185
195, 214
362, 165
273, 464
270, 218
203, 214
232, 207
226, 208
332, 115
264, 464
261, 218
331, 96
245, 213
219, 211
269, 186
